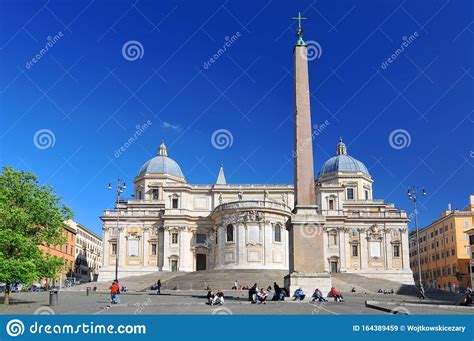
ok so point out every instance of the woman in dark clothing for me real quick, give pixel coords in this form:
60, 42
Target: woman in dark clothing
276, 296
252, 292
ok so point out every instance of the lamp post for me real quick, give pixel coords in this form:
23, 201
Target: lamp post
412, 195
121, 186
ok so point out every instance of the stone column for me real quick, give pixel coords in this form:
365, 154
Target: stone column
166, 249
122, 247
146, 246
388, 250
105, 247
364, 254
405, 249
342, 249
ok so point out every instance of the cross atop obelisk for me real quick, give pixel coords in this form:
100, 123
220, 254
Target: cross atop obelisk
299, 31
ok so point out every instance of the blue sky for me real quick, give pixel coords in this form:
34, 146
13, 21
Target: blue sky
88, 96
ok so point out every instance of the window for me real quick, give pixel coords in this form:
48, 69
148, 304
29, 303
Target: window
277, 233
155, 195
366, 195
355, 250
139, 195
333, 239
174, 238
201, 238
230, 233
331, 204
396, 251
114, 249
154, 249
350, 194
174, 203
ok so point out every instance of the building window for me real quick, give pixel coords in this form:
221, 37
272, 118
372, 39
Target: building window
154, 194
154, 249
114, 249
366, 195
139, 195
230, 233
174, 203
350, 194
277, 233
201, 238
355, 250
333, 239
331, 204
174, 238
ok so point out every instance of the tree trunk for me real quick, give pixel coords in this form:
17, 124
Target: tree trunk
6, 297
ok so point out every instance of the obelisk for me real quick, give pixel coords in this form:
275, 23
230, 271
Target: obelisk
307, 251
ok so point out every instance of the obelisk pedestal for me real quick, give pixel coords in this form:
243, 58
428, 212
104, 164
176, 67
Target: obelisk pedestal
307, 252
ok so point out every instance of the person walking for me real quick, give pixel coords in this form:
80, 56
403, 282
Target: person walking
158, 287
421, 293
114, 292
252, 292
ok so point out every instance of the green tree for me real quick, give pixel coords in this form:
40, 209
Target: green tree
30, 215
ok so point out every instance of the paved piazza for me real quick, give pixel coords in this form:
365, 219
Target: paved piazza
193, 302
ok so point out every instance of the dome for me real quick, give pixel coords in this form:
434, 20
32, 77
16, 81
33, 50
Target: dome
162, 164
342, 162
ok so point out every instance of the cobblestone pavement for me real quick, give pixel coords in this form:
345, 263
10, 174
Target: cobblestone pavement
77, 302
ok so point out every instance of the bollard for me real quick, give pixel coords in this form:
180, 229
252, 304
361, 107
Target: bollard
53, 297
88, 291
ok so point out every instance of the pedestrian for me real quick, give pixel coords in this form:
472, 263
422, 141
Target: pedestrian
421, 293
210, 297
276, 296
253, 292
235, 286
114, 292
158, 287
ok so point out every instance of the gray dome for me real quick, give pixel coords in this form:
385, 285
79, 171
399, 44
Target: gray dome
162, 164
342, 163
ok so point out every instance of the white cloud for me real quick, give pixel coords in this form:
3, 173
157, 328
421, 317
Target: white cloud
167, 125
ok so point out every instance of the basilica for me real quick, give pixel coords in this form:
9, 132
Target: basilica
172, 225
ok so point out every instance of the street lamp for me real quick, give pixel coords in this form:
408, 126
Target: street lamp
412, 195
121, 186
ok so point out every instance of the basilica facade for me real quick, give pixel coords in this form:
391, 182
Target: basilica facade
171, 225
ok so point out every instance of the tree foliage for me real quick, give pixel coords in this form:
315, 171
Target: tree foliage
30, 215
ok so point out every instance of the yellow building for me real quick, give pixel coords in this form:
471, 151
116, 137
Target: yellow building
444, 250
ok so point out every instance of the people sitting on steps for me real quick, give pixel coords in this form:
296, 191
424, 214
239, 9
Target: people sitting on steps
299, 295
253, 292
262, 296
318, 295
218, 298
210, 297
337, 295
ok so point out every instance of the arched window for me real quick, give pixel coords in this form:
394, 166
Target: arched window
230, 233
278, 233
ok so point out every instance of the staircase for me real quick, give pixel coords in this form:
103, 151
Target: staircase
224, 279
345, 282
